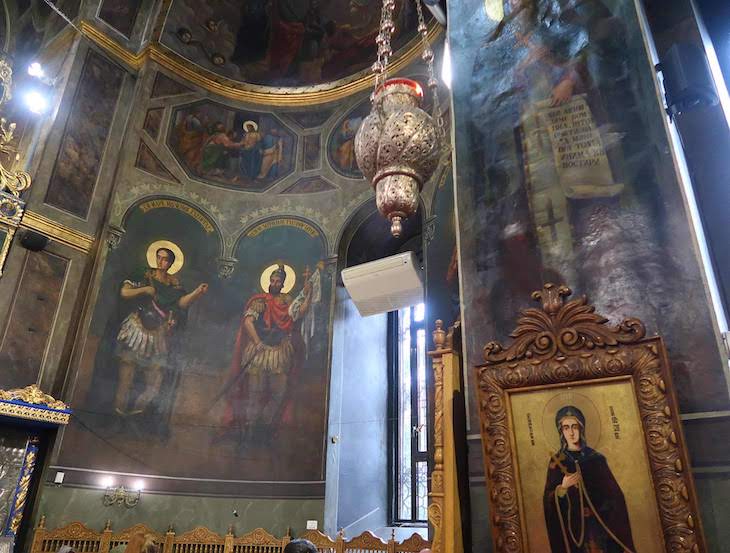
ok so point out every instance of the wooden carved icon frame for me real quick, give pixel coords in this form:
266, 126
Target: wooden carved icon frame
564, 344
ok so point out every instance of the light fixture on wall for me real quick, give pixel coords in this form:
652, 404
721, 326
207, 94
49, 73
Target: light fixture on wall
398, 145
119, 495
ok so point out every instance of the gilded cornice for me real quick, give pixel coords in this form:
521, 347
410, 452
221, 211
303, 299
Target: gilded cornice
243, 92
30, 403
58, 232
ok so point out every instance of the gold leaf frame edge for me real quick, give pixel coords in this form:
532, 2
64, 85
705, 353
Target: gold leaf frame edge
596, 352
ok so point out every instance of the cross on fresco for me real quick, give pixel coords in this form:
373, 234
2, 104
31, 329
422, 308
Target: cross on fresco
238, 149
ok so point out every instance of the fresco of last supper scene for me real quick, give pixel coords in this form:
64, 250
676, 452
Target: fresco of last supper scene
364, 276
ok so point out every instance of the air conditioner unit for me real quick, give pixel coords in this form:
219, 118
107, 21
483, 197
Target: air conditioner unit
385, 285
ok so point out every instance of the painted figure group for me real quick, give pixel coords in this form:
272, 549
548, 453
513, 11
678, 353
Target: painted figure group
144, 344
212, 150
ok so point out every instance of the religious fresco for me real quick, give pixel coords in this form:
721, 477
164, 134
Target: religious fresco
87, 128
237, 149
565, 175
203, 373
285, 42
341, 143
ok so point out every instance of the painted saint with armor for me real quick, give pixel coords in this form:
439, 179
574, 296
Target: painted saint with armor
271, 346
153, 313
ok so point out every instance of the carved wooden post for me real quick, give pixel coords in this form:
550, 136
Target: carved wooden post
106, 538
391, 542
169, 540
228, 541
340, 541
38, 535
443, 511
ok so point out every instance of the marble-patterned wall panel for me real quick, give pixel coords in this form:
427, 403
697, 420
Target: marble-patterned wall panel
148, 161
120, 14
31, 318
165, 86
74, 176
310, 151
153, 122
565, 174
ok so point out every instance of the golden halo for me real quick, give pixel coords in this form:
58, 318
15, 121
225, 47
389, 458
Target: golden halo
291, 278
174, 248
249, 123
587, 407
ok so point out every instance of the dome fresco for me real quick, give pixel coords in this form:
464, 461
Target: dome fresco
282, 43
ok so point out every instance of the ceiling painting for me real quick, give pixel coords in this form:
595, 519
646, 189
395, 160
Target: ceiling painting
238, 149
282, 43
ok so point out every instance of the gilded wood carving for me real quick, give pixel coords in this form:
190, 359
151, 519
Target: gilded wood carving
83, 538
563, 346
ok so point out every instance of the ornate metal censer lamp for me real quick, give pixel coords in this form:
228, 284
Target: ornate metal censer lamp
398, 145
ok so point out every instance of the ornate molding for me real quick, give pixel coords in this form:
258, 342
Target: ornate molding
569, 343
58, 232
256, 94
21, 491
561, 329
31, 403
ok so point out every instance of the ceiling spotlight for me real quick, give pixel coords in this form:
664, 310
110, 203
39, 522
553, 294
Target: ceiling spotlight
36, 102
35, 69
138, 485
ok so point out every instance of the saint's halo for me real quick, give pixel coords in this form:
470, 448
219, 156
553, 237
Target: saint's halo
174, 248
291, 277
586, 406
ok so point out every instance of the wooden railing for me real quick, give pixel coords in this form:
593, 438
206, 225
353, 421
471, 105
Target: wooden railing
203, 540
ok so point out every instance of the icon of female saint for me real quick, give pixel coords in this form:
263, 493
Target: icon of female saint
585, 509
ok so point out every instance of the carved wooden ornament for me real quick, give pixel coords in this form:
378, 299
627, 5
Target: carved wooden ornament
566, 342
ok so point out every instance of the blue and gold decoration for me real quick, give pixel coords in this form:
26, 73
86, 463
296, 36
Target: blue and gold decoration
32, 404
23, 488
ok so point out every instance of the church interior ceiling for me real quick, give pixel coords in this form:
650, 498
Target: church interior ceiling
287, 43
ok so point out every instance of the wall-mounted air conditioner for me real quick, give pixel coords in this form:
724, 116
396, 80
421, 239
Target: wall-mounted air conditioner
386, 284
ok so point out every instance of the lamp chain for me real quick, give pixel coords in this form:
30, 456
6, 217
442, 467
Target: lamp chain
433, 83
380, 67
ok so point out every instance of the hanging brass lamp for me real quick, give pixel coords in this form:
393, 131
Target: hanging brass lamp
398, 145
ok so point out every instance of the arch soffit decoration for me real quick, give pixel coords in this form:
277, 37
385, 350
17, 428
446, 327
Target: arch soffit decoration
210, 219
253, 224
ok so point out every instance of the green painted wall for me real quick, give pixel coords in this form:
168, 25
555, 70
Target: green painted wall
62, 505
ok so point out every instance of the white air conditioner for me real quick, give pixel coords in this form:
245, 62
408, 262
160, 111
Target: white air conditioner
386, 284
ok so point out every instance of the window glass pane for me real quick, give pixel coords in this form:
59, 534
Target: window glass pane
419, 312
421, 490
421, 398
405, 481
